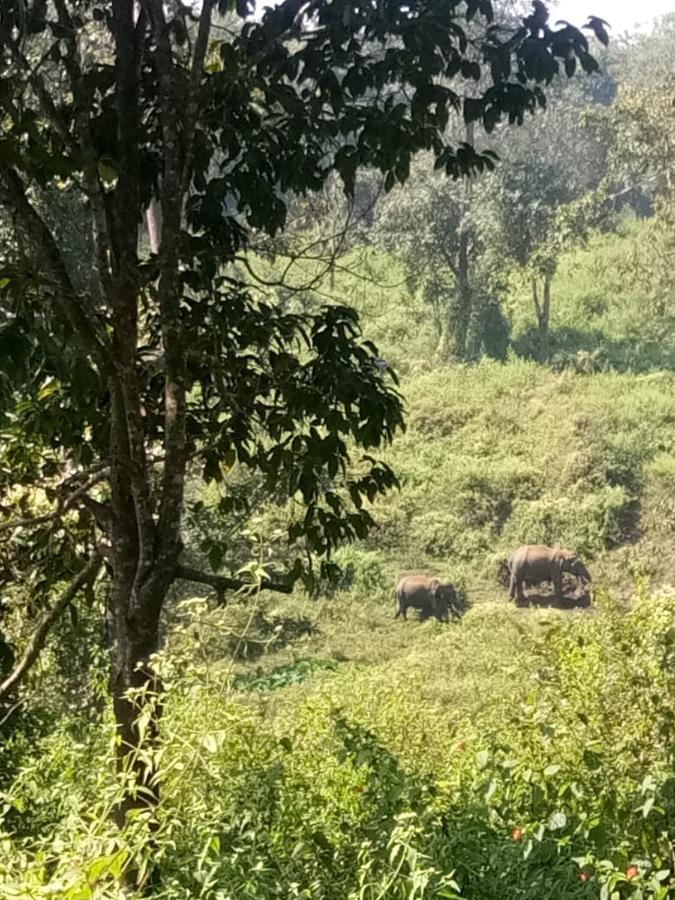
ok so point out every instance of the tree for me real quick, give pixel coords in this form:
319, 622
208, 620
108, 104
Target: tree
456, 235
152, 366
546, 196
438, 228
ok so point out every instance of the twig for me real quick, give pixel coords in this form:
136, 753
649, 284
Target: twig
62, 507
10, 712
37, 640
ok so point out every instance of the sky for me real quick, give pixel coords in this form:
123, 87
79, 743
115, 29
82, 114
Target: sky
622, 15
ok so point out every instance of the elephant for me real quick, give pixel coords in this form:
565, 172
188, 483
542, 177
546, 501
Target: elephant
504, 576
430, 595
534, 563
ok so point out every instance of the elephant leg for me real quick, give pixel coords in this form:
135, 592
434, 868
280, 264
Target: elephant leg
398, 607
520, 592
557, 585
516, 590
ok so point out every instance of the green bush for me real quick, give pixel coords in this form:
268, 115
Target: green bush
588, 523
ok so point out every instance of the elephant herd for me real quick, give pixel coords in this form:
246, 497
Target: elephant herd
530, 564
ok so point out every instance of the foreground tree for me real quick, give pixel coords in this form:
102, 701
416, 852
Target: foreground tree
135, 368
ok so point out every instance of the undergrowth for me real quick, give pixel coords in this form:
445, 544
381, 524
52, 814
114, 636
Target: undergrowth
518, 754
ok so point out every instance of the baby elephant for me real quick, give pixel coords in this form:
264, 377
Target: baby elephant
535, 563
430, 595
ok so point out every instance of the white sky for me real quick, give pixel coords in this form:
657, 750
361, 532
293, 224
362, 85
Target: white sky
622, 15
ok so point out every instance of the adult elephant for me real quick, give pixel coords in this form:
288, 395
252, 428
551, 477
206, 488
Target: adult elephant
430, 595
534, 563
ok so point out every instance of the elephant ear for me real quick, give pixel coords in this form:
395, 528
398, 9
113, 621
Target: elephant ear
566, 559
571, 563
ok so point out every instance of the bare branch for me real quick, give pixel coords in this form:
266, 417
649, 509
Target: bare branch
173, 479
37, 640
535, 298
279, 282
10, 712
196, 74
129, 459
28, 521
222, 583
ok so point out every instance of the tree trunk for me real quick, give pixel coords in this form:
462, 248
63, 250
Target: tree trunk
464, 293
542, 310
137, 704
153, 225
544, 324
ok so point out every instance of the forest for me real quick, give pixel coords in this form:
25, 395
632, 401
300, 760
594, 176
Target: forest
294, 303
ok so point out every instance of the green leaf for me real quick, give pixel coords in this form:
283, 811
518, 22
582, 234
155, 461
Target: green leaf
557, 821
212, 742
106, 865
107, 171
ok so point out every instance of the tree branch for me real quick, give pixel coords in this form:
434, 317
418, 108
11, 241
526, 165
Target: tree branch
13, 195
129, 459
10, 712
41, 92
535, 299
37, 640
172, 191
92, 184
63, 505
222, 583
28, 521
196, 73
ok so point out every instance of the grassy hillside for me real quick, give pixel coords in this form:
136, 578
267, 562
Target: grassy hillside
500, 455
612, 303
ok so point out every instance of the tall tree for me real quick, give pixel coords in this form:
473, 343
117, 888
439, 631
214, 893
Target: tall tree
146, 366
